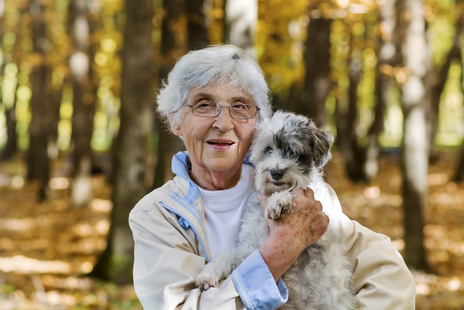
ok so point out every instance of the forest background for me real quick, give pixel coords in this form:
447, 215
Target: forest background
80, 141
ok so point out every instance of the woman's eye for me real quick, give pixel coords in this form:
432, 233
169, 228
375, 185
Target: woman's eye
268, 150
239, 106
204, 104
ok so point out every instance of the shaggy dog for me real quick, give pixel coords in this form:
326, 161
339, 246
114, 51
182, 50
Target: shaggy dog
288, 151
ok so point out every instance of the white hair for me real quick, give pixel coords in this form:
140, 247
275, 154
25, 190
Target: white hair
213, 65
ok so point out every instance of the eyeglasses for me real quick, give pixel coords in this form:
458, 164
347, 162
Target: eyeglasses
236, 110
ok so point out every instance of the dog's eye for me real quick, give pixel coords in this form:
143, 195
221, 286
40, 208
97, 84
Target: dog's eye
268, 150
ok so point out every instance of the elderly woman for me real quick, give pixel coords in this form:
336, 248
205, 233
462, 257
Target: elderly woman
212, 100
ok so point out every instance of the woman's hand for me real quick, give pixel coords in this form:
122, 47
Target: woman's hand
290, 235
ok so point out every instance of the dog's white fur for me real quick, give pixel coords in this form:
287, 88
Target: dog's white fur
321, 276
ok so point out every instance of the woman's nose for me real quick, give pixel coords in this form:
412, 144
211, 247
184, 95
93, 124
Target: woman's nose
224, 120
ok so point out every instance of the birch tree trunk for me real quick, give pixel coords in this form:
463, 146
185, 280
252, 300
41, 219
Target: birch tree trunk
40, 105
132, 145
240, 18
83, 104
415, 143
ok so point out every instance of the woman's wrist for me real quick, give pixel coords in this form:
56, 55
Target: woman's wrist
279, 252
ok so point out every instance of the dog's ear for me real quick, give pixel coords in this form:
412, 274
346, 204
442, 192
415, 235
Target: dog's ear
320, 143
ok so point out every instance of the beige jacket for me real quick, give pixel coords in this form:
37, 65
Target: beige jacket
171, 249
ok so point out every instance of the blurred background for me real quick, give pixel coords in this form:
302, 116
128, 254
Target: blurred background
80, 142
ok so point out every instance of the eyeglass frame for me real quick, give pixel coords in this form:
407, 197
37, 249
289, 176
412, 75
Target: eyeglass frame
219, 110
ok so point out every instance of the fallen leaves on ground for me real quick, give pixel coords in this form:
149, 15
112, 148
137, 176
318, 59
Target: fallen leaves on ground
47, 249
378, 206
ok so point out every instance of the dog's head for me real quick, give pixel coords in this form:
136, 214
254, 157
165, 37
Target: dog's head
285, 151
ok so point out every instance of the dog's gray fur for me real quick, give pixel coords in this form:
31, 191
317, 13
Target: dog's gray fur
289, 151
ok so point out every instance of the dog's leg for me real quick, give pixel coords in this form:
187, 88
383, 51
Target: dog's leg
279, 204
253, 232
220, 268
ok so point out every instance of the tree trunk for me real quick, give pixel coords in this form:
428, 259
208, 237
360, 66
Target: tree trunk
317, 83
83, 103
387, 59
171, 49
12, 137
9, 104
348, 122
197, 24
39, 127
459, 176
240, 19
132, 145
415, 142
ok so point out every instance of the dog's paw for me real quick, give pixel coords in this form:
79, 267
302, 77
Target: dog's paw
206, 281
278, 205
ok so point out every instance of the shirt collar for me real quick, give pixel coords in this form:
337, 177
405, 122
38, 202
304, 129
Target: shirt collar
181, 164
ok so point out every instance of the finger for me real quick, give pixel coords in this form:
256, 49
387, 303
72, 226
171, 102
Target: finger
319, 206
326, 219
296, 192
309, 192
263, 201
323, 224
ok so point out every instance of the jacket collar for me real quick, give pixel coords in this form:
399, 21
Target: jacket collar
181, 166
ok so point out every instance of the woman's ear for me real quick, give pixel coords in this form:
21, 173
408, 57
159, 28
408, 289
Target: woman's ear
175, 125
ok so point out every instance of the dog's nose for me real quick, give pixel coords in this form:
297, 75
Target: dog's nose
277, 174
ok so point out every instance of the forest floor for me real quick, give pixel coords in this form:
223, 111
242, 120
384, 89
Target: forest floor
46, 249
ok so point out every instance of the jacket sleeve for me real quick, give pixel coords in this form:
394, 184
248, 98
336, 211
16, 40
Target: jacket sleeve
381, 278
167, 263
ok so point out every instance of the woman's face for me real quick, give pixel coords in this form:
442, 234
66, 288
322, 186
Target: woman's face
218, 144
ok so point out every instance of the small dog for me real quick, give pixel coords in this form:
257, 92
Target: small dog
288, 151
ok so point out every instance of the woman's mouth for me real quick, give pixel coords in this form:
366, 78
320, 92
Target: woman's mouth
220, 143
